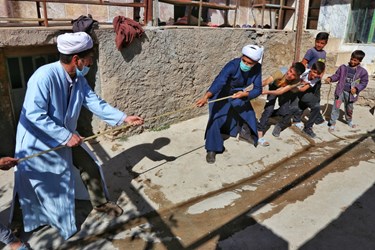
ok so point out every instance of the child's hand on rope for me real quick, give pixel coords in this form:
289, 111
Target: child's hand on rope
327, 80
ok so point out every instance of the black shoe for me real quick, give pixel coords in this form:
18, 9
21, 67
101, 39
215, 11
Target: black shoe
319, 120
276, 131
246, 139
309, 132
210, 157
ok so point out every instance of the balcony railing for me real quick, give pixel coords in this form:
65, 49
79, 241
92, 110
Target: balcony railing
42, 18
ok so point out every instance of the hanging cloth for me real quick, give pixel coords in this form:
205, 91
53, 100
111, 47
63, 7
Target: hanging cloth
126, 30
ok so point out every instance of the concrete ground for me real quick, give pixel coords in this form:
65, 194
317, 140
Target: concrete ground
298, 193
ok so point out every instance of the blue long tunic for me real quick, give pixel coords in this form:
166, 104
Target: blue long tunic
44, 184
227, 116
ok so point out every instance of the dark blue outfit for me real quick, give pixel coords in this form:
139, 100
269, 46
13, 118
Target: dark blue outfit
228, 116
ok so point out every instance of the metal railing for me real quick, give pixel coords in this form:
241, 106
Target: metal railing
43, 20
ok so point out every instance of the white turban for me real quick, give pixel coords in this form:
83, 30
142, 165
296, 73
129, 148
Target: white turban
253, 52
74, 43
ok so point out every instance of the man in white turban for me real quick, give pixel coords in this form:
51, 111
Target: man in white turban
253, 52
241, 78
54, 97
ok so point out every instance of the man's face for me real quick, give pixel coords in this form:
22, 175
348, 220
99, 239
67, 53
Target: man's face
248, 61
85, 61
320, 44
313, 74
291, 74
354, 62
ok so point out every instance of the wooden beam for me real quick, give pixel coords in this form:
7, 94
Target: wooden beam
299, 30
25, 19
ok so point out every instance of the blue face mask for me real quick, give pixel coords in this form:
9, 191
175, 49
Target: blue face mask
83, 72
244, 67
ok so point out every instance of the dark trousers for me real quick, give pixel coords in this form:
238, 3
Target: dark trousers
315, 91
307, 100
284, 110
90, 175
268, 110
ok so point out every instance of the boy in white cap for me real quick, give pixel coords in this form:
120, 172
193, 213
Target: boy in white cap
54, 97
229, 115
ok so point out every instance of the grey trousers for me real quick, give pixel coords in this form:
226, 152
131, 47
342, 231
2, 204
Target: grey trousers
348, 106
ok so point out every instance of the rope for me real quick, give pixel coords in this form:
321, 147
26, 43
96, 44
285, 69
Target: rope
337, 136
329, 93
120, 128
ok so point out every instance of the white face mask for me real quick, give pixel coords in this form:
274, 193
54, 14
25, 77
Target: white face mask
83, 72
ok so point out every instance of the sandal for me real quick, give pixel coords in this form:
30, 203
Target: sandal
263, 142
299, 125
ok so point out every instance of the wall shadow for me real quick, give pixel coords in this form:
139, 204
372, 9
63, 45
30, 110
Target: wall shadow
134, 48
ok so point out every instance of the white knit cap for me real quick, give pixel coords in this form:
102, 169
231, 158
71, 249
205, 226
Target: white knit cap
74, 43
253, 52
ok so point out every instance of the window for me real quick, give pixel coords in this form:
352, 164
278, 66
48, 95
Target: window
20, 69
361, 22
313, 14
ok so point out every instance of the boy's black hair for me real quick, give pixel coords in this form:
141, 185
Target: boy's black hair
322, 36
319, 67
358, 54
68, 58
299, 68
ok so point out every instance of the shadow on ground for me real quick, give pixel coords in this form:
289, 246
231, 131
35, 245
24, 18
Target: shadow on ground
233, 234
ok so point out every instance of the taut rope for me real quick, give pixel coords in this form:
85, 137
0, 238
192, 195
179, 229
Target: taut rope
120, 128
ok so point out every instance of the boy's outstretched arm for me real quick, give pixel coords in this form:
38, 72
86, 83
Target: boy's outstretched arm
278, 91
267, 81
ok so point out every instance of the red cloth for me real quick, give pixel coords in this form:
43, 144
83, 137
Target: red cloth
126, 30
